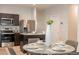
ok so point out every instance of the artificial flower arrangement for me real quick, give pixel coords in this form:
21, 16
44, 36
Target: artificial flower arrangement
50, 21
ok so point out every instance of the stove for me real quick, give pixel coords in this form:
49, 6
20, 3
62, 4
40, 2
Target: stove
7, 38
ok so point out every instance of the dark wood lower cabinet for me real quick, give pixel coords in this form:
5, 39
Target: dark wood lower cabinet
17, 39
0, 39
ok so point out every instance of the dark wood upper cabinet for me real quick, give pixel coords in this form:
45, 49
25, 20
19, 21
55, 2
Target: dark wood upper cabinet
15, 18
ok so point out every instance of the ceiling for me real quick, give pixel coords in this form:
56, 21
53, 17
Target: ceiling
39, 6
43, 6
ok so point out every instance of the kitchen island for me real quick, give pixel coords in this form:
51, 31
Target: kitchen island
25, 37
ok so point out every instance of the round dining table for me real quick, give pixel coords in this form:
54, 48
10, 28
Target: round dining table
39, 48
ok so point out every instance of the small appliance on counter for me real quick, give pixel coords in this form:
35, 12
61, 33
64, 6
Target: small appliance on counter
25, 30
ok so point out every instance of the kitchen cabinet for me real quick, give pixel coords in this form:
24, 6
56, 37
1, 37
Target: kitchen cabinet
16, 20
0, 39
17, 39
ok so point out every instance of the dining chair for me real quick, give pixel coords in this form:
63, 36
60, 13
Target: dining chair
74, 53
72, 43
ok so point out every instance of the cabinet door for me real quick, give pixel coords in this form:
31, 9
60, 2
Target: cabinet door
4, 15
17, 39
16, 20
0, 40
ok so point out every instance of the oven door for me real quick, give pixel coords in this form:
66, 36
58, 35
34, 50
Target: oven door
7, 39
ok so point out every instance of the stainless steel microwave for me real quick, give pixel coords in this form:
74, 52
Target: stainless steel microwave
7, 21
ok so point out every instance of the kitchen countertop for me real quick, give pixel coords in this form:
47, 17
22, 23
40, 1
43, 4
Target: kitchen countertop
8, 33
27, 33
32, 33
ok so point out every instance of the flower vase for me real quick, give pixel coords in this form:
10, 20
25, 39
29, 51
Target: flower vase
48, 37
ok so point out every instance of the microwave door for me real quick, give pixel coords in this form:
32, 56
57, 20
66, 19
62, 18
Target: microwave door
6, 21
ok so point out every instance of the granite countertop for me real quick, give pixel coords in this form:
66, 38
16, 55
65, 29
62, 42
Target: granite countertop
8, 33
32, 33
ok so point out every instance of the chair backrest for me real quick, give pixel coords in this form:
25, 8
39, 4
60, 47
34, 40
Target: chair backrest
72, 43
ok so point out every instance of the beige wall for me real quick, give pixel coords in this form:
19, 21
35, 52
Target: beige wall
72, 22
41, 23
